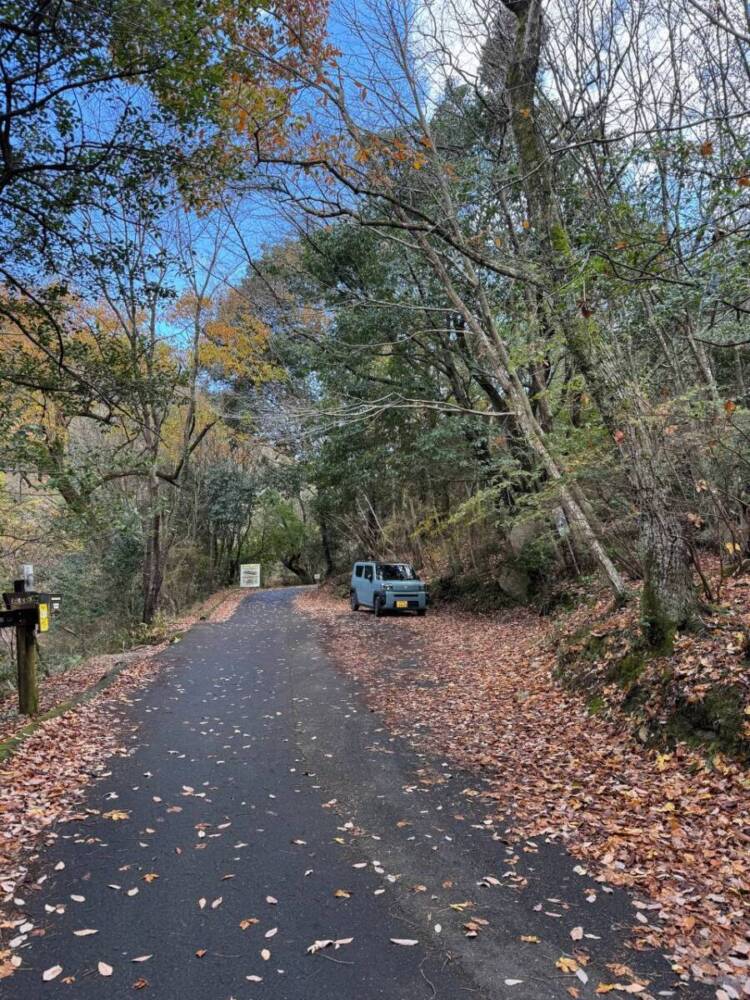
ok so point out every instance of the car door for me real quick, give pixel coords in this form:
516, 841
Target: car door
368, 576
358, 582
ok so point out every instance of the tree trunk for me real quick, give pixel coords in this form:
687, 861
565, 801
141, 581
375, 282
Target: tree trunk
489, 341
153, 567
325, 539
669, 599
293, 564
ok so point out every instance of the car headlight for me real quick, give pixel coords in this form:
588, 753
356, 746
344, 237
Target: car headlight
387, 587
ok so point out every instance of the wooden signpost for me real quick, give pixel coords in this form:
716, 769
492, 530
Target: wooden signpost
27, 610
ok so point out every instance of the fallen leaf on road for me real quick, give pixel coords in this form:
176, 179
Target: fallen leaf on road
49, 974
577, 934
327, 943
142, 958
342, 894
272, 933
265, 954
116, 814
248, 922
140, 984
85, 932
406, 942
104, 969
150, 877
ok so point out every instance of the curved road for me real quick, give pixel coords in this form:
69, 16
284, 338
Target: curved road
260, 784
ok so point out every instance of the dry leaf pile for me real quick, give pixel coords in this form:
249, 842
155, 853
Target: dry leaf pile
672, 827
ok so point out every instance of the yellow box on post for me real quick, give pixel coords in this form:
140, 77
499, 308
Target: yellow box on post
43, 618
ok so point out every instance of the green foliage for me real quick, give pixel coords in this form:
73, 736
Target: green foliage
279, 534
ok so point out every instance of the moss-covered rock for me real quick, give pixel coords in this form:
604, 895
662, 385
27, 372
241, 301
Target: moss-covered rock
717, 720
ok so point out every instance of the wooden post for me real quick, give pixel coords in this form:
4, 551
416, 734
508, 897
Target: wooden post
26, 652
26, 658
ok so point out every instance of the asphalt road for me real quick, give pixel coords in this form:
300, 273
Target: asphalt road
260, 784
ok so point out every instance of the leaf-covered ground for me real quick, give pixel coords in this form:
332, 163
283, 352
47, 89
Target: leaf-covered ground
672, 826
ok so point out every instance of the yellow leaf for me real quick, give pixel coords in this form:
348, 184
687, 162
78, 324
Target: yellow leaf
565, 964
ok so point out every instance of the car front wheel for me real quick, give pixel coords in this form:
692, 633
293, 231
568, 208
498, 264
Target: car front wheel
354, 601
378, 607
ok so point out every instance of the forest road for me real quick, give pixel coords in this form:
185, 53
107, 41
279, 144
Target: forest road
259, 787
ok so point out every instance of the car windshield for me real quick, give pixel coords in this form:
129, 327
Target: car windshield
396, 571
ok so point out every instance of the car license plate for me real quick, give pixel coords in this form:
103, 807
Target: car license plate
402, 604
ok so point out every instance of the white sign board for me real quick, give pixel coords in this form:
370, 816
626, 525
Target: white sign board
250, 575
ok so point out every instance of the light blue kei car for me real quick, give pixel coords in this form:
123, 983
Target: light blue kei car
387, 587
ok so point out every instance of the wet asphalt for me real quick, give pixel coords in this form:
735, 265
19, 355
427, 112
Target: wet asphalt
263, 808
